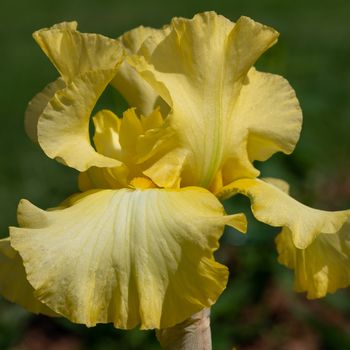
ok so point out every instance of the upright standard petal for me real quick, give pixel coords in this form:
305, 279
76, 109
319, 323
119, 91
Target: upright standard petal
37, 105
221, 114
322, 267
63, 127
135, 89
74, 53
266, 119
129, 256
13, 282
274, 207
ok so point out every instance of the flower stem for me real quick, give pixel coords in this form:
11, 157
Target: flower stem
192, 334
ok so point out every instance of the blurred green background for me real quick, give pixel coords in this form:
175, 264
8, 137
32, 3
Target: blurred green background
258, 310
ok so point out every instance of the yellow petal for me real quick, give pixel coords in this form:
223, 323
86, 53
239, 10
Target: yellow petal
166, 172
152, 121
37, 105
13, 283
74, 53
279, 183
111, 178
274, 207
136, 90
199, 70
267, 119
130, 130
106, 137
271, 113
139, 144
321, 268
129, 256
63, 127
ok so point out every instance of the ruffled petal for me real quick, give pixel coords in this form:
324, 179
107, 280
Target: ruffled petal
144, 146
274, 207
37, 105
74, 53
199, 70
129, 256
136, 90
267, 119
166, 171
13, 283
271, 112
321, 268
63, 127
153, 120
129, 132
106, 137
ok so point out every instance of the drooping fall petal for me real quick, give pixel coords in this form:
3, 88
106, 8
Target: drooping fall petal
274, 207
128, 256
13, 282
322, 267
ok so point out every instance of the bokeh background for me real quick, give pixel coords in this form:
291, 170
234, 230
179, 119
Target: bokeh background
258, 310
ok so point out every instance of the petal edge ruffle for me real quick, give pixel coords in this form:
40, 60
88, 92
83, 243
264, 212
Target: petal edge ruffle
127, 257
274, 207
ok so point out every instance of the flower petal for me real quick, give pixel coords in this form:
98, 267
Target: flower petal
199, 70
37, 105
13, 283
139, 144
271, 113
274, 207
106, 137
136, 90
128, 256
166, 171
111, 178
321, 268
267, 119
130, 130
63, 127
152, 121
74, 53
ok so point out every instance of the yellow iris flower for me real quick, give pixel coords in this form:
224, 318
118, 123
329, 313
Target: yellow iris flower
135, 247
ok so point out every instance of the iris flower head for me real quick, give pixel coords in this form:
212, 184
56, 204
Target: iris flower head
135, 246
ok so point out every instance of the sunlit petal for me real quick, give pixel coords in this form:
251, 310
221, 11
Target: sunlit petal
129, 256
130, 130
136, 90
266, 119
199, 69
13, 283
166, 172
37, 105
274, 207
106, 137
321, 268
63, 127
74, 53
153, 120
